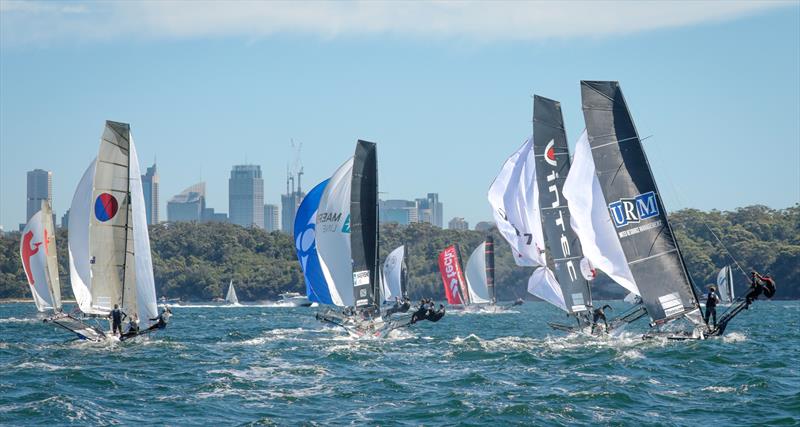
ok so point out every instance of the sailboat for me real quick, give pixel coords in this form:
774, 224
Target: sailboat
393, 284
230, 297
480, 274
38, 253
109, 245
533, 216
455, 284
617, 205
725, 285
336, 238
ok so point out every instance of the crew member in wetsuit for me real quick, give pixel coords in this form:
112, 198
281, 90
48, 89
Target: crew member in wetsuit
711, 304
421, 313
600, 313
757, 286
162, 319
116, 316
436, 316
405, 305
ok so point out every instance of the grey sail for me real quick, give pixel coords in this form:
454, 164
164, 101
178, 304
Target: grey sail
563, 249
364, 224
489, 254
635, 205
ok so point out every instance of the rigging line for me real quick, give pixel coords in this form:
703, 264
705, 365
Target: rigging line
679, 196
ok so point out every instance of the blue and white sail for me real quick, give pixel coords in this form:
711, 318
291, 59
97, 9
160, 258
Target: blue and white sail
332, 233
305, 240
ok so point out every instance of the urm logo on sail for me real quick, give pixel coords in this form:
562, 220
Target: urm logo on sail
633, 210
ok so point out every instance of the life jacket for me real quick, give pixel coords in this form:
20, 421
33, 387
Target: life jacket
712, 300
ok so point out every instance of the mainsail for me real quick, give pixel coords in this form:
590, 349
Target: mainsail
452, 276
635, 206
563, 250
110, 261
305, 241
231, 297
476, 276
364, 224
38, 252
393, 274
725, 285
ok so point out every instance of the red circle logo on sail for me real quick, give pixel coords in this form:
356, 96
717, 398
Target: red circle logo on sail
105, 207
550, 153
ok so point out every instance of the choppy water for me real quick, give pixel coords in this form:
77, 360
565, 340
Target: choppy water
230, 366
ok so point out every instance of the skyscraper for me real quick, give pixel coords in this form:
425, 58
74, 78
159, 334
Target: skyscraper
430, 210
151, 196
290, 202
272, 218
246, 196
40, 187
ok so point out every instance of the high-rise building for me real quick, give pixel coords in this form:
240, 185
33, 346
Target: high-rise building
290, 202
458, 223
40, 187
403, 212
272, 218
188, 205
65, 219
430, 210
246, 196
151, 195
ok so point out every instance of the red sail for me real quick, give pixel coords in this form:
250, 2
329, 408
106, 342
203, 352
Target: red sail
452, 276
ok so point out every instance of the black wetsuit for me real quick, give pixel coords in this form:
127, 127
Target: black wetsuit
756, 288
420, 314
404, 307
161, 322
711, 306
600, 314
116, 321
435, 317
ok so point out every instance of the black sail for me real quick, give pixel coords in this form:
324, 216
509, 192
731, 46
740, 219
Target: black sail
364, 224
634, 203
552, 166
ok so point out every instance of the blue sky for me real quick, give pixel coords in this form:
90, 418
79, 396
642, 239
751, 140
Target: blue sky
443, 88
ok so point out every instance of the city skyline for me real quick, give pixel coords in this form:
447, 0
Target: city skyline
446, 127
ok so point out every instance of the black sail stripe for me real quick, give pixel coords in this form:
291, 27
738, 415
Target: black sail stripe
364, 221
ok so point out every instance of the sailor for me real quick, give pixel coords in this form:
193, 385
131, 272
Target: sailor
133, 324
116, 316
405, 305
600, 313
712, 299
162, 319
518, 301
757, 285
436, 316
420, 314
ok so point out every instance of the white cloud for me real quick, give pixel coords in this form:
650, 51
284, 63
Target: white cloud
25, 22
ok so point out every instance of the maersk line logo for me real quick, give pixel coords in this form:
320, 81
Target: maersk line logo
641, 207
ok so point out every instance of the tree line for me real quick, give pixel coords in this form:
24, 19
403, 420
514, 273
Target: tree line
195, 262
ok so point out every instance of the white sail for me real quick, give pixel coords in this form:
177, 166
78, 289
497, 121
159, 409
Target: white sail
392, 273
147, 307
590, 220
231, 298
476, 276
514, 197
80, 212
544, 285
38, 254
725, 285
333, 236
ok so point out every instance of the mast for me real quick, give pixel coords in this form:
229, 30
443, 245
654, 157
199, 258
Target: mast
635, 206
563, 249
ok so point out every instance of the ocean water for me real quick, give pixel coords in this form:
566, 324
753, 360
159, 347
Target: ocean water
270, 365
